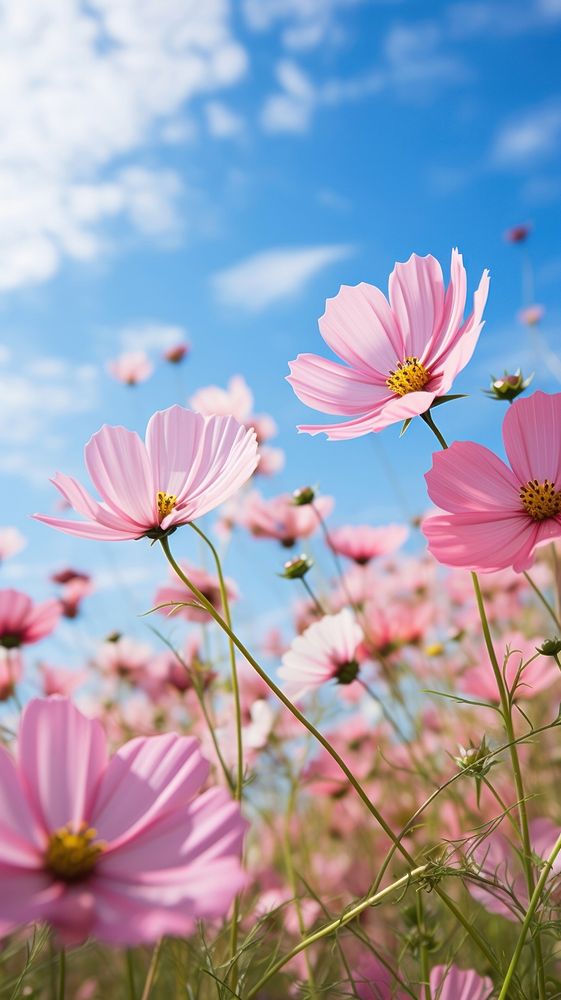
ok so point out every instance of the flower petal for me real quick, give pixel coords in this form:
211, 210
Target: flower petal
146, 779
120, 470
481, 542
532, 437
21, 840
468, 477
416, 290
359, 326
332, 388
61, 758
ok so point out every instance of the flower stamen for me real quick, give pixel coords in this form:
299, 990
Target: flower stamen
540, 500
166, 503
72, 854
409, 376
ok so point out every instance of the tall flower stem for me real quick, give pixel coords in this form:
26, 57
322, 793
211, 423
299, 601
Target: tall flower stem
291, 876
238, 790
164, 542
152, 970
534, 901
506, 711
336, 925
549, 608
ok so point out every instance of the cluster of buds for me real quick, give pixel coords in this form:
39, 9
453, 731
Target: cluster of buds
508, 386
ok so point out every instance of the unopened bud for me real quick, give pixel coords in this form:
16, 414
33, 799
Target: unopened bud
296, 568
550, 647
303, 496
475, 758
508, 386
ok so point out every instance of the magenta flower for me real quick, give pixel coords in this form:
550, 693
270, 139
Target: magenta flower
496, 516
362, 542
188, 465
124, 849
449, 982
326, 651
399, 356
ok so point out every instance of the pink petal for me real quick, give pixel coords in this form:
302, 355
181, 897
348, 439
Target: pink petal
532, 438
468, 478
332, 388
367, 424
120, 470
359, 326
417, 299
100, 523
145, 780
482, 542
86, 529
224, 456
452, 983
61, 758
405, 407
25, 897
21, 840
42, 620
455, 351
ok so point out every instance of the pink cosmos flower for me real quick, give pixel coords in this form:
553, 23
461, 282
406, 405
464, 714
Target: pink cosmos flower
22, 622
131, 368
188, 465
235, 401
361, 542
11, 542
496, 516
123, 849
326, 651
121, 656
448, 982
57, 680
399, 356
280, 518
176, 592
540, 673
73, 594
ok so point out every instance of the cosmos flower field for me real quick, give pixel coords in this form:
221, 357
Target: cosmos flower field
363, 803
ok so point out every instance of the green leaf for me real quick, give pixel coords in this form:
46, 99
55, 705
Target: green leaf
447, 399
404, 426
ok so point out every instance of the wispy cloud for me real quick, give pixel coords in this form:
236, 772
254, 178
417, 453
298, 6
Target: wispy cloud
86, 89
259, 281
531, 137
150, 335
305, 24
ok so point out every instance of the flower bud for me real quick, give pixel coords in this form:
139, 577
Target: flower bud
508, 386
303, 496
518, 234
296, 568
475, 759
550, 647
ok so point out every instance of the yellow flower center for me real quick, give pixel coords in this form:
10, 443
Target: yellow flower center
540, 500
409, 376
73, 854
166, 503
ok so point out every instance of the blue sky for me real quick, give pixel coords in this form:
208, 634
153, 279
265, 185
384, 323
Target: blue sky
220, 169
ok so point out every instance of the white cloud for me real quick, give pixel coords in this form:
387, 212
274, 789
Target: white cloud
222, 122
34, 396
85, 87
151, 336
530, 138
273, 275
307, 23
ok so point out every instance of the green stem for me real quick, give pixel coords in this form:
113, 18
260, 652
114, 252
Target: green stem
544, 600
335, 925
152, 970
534, 901
312, 596
130, 974
62, 974
291, 875
238, 790
423, 953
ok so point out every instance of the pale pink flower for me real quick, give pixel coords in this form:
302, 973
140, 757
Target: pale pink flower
11, 542
188, 465
236, 401
271, 461
375, 982
496, 516
399, 356
176, 593
361, 542
72, 595
57, 680
121, 656
22, 622
326, 651
122, 849
131, 368
280, 518
449, 982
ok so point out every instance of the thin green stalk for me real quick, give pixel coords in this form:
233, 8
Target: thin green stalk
291, 876
317, 603
317, 735
62, 974
427, 417
238, 790
152, 970
423, 952
534, 901
544, 600
130, 974
335, 925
